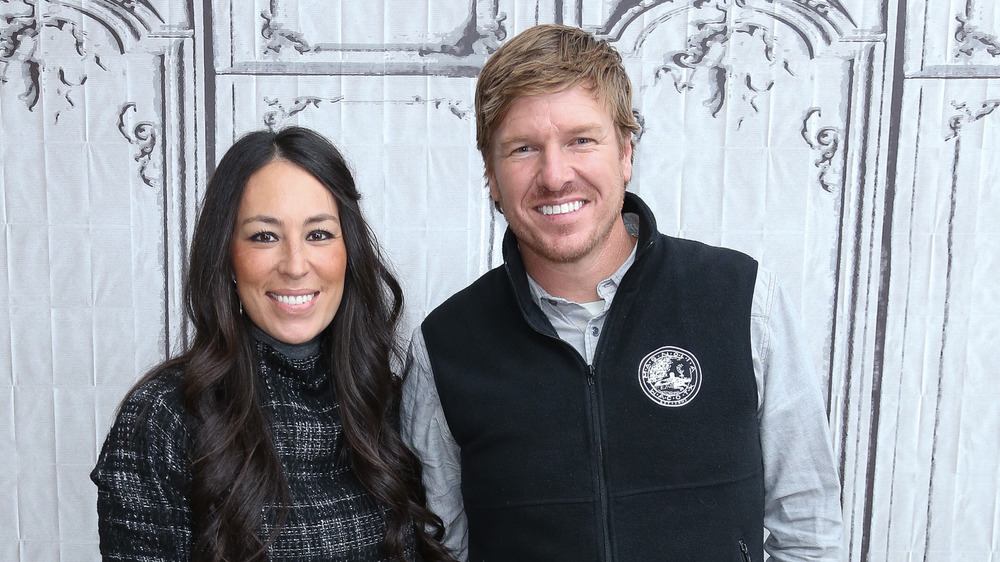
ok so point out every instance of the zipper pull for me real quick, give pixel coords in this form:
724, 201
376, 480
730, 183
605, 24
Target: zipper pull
590, 374
745, 551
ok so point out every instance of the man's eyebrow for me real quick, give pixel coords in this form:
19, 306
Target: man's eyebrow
585, 128
580, 129
519, 139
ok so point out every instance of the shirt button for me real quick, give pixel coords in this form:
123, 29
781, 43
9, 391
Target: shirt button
594, 331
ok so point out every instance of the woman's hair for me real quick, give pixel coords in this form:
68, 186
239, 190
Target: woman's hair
545, 59
235, 468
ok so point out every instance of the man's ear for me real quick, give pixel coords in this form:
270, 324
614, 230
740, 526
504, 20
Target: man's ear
491, 181
627, 159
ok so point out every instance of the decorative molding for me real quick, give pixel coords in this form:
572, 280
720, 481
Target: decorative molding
20, 33
641, 120
142, 135
477, 35
968, 115
825, 8
473, 38
970, 39
17, 30
457, 108
828, 18
280, 113
125, 20
708, 50
273, 119
825, 141
278, 36
19, 41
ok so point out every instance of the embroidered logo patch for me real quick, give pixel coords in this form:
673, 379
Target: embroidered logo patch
670, 376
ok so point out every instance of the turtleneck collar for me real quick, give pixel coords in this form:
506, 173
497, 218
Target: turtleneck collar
297, 351
295, 362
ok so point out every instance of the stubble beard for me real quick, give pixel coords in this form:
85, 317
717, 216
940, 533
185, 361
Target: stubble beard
537, 245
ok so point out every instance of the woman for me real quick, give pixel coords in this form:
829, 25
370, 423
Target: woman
275, 436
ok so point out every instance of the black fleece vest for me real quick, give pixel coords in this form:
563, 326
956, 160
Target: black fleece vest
651, 453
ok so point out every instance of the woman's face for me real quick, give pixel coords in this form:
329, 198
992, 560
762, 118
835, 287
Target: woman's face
288, 253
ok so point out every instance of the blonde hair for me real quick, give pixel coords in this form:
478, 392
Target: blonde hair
546, 59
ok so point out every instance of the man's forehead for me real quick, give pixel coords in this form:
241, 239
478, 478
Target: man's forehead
551, 104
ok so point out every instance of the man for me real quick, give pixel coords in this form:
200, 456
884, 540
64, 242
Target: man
610, 393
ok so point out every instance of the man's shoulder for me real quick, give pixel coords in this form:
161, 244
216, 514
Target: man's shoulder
477, 294
691, 246
697, 254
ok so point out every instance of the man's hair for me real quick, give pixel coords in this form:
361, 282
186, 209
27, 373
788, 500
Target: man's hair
546, 59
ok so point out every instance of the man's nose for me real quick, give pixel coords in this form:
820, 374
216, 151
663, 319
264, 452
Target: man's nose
556, 169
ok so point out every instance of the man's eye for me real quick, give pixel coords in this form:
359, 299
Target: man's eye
584, 141
522, 149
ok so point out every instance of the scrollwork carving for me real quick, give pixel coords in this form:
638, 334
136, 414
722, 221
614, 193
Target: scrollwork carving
826, 141
142, 135
473, 39
21, 29
19, 48
968, 115
475, 36
457, 108
17, 38
641, 120
822, 7
276, 116
970, 39
708, 50
278, 36
821, 18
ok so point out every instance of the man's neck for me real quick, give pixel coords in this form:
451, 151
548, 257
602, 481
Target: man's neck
577, 281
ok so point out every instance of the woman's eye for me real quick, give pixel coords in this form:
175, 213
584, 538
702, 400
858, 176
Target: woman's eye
319, 236
263, 237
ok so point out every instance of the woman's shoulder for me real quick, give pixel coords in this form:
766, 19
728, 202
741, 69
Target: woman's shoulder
150, 424
155, 399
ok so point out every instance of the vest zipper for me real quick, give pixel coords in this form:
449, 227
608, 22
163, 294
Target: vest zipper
599, 460
745, 551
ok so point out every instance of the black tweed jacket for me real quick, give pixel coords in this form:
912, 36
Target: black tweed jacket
143, 471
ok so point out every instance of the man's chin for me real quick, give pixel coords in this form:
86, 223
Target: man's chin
558, 251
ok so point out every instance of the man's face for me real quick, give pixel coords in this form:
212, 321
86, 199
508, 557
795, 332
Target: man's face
559, 174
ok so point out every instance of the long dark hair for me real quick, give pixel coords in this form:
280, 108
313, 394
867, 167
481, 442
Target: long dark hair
235, 468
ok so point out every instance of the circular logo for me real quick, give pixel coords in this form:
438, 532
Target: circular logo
670, 376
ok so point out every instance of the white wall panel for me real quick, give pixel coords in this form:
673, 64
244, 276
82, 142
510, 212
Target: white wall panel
851, 146
938, 460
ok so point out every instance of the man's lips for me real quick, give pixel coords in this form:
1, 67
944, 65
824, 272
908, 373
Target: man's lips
561, 209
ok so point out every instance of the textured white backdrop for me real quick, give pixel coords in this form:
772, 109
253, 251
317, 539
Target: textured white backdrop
852, 146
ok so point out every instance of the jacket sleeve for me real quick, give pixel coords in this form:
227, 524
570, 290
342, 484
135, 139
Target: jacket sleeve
142, 476
425, 430
802, 510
